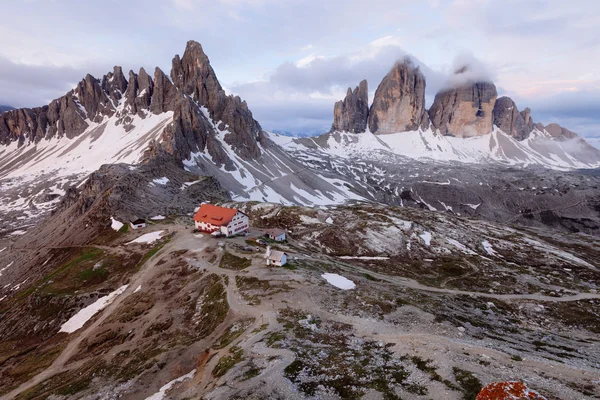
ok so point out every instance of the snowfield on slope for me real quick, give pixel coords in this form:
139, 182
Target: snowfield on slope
84, 315
339, 281
148, 238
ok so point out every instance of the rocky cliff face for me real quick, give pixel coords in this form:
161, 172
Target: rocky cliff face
466, 110
399, 102
202, 111
352, 113
526, 114
508, 118
560, 133
194, 76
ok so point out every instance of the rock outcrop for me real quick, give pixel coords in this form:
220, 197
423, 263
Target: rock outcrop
465, 110
508, 118
560, 133
399, 102
194, 77
526, 114
352, 113
164, 93
138, 97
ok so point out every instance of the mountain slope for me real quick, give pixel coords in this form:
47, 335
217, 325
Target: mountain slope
111, 120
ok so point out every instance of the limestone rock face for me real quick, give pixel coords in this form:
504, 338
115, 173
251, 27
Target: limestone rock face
466, 110
164, 93
139, 92
526, 114
114, 85
399, 102
193, 75
508, 118
352, 113
560, 133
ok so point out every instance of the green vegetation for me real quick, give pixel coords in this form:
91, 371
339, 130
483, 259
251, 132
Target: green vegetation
233, 332
328, 356
124, 228
152, 252
516, 358
67, 383
469, 384
214, 307
230, 261
93, 275
261, 328
425, 366
251, 372
273, 338
229, 361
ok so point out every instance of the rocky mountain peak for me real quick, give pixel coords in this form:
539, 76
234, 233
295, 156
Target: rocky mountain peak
560, 133
164, 93
526, 114
399, 102
114, 84
464, 110
193, 75
351, 114
508, 118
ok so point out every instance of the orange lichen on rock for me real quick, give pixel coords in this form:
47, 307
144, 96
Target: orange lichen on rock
512, 390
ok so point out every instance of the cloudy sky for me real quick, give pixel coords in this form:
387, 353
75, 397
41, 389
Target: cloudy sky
292, 59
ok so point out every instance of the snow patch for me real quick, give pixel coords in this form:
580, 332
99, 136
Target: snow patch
339, 281
148, 237
160, 181
158, 217
460, 246
163, 390
487, 246
116, 225
84, 315
426, 236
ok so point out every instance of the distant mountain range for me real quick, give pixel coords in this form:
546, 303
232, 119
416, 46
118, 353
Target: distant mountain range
187, 117
5, 108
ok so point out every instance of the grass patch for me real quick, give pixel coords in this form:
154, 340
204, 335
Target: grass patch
260, 328
124, 228
152, 253
516, 358
230, 261
233, 332
252, 371
469, 384
93, 275
229, 361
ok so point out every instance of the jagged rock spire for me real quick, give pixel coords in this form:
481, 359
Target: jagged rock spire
399, 102
508, 118
352, 113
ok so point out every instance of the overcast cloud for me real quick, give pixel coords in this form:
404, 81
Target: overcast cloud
291, 60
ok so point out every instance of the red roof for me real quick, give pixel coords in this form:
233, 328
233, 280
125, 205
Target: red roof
215, 215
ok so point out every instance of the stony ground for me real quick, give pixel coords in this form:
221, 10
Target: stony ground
442, 306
